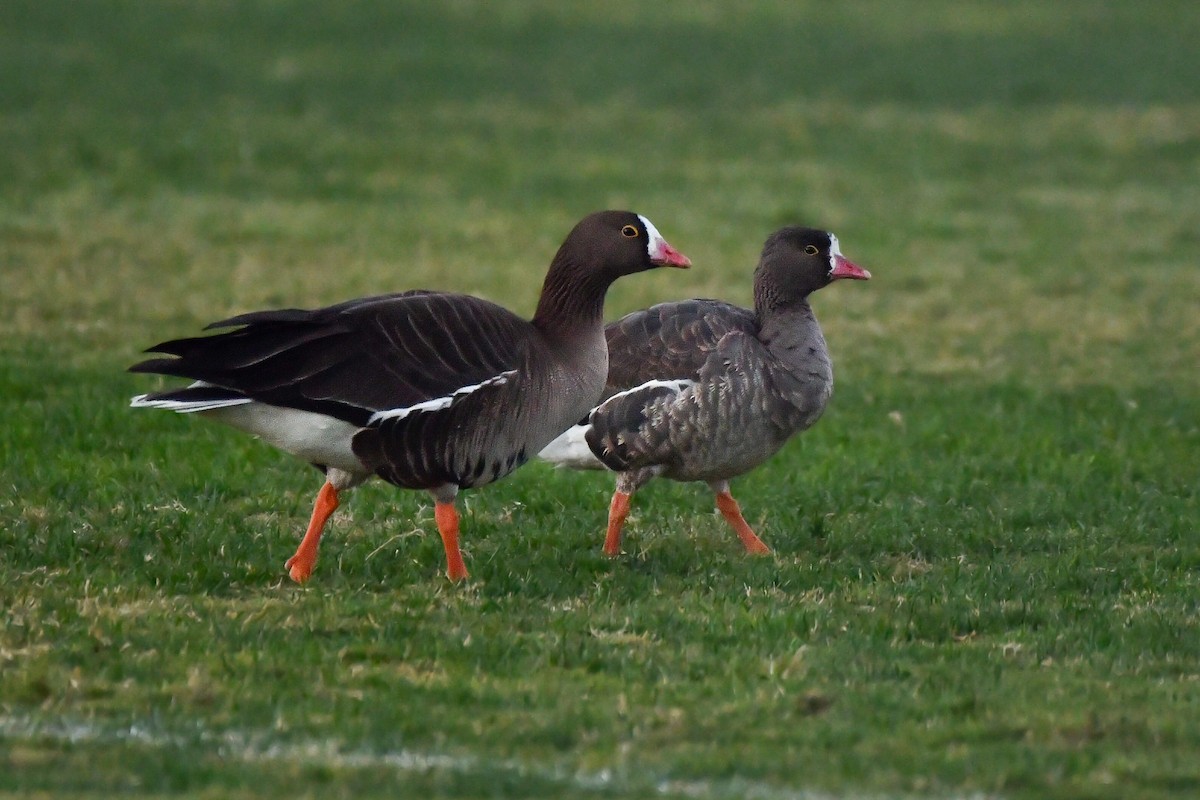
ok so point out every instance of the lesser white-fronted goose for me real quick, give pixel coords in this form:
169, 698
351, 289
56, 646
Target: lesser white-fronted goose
701, 390
427, 390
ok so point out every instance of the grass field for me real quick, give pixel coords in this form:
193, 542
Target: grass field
986, 578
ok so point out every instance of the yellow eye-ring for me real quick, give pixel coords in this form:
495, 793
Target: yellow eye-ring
629, 232
811, 249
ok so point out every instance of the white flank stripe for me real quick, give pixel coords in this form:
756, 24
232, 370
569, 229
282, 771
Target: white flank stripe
678, 386
438, 403
250, 747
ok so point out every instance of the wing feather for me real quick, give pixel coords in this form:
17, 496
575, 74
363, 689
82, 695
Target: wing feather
356, 358
670, 341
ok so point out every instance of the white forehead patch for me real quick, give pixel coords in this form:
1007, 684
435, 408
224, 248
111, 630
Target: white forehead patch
834, 252
654, 236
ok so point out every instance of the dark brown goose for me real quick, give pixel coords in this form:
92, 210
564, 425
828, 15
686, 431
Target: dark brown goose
425, 389
701, 390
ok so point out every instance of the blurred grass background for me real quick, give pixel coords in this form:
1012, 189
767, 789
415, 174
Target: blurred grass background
987, 551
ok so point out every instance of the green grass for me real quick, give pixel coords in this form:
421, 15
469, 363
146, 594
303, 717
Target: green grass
986, 578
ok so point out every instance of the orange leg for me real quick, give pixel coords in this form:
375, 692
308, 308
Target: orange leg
618, 510
446, 516
300, 565
733, 515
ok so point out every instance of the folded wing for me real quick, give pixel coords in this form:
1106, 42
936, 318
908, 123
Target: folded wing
348, 361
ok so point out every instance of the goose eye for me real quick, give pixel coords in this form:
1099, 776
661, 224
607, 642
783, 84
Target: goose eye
629, 232
811, 249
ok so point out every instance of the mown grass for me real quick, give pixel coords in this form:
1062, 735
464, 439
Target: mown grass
985, 578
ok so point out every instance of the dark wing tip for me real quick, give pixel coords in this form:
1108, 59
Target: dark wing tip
172, 347
156, 366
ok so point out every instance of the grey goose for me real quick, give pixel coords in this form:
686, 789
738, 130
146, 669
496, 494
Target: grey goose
426, 390
702, 390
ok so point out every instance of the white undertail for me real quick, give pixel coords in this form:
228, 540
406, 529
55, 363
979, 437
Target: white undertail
571, 450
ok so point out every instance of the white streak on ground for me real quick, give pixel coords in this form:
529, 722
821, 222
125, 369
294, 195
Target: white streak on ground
258, 748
